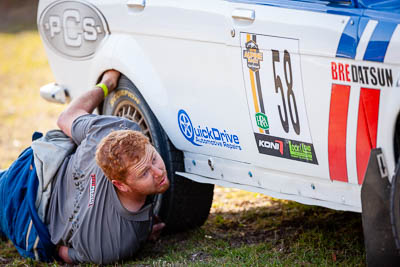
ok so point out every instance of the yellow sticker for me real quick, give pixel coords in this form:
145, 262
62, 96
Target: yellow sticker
253, 55
122, 93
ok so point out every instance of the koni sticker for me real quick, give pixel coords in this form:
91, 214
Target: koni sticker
272, 74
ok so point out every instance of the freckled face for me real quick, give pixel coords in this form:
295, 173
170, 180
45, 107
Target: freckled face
149, 175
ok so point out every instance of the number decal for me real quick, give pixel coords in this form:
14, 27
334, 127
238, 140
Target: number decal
287, 67
290, 94
278, 85
275, 63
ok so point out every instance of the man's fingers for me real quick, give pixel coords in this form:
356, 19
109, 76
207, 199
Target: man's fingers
110, 78
63, 253
158, 227
155, 233
111, 74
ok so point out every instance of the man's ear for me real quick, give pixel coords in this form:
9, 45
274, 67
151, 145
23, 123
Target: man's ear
120, 185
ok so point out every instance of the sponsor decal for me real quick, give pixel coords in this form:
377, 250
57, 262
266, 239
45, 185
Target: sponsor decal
122, 93
365, 75
275, 145
205, 135
300, 151
253, 58
285, 148
273, 82
92, 189
252, 55
73, 29
262, 121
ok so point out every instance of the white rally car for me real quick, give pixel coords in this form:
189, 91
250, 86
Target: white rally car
298, 100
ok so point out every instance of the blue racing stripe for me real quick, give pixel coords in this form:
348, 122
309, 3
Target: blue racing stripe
379, 42
347, 47
362, 26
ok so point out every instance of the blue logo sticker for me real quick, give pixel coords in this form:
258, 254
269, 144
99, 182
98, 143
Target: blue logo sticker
186, 126
199, 136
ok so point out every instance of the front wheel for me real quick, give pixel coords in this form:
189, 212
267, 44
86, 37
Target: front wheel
186, 204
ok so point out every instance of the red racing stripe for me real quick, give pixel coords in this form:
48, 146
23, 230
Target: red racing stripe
337, 132
367, 126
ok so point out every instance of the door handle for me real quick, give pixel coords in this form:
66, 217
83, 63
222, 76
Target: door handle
244, 14
136, 3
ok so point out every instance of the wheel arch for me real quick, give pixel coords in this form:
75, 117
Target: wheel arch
183, 193
393, 138
129, 59
389, 128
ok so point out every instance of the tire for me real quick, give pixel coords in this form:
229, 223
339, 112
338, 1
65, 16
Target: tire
395, 188
395, 205
186, 204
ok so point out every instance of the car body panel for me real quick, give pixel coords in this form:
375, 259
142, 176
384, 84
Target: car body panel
219, 75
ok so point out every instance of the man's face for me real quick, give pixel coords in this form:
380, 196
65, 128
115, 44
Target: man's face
149, 175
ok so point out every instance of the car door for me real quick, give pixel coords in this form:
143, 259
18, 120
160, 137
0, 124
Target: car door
298, 115
184, 42
376, 75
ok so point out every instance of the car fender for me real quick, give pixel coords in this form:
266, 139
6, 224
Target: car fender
390, 110
128, 58
79, 76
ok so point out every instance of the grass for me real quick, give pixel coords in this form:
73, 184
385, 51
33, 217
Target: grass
23, 70
255, 230
243, 229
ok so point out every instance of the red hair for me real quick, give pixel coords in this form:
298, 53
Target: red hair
119, 150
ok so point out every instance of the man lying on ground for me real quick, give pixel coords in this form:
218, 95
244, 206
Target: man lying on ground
98, 210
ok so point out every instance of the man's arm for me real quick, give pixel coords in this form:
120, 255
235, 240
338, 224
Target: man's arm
86, 103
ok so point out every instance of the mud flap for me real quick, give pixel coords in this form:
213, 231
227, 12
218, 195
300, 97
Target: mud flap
395, 205
376, 219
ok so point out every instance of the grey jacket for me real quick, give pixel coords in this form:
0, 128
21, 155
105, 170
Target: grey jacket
49, 153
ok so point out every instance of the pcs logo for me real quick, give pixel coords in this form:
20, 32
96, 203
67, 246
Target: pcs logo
73, 29
200, 136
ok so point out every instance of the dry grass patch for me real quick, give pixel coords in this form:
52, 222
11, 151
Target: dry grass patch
23, 70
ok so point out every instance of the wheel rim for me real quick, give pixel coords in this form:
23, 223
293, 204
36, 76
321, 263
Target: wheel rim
129, 111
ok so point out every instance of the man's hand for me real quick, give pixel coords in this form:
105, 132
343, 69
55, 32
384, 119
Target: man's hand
63, 253
110, 78
157, 228
87, 102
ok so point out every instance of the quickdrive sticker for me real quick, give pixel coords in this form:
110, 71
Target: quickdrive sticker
206, 135
272, 74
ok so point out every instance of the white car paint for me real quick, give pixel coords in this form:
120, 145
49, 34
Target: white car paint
188, 55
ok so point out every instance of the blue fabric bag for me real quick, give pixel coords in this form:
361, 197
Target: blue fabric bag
19, 220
